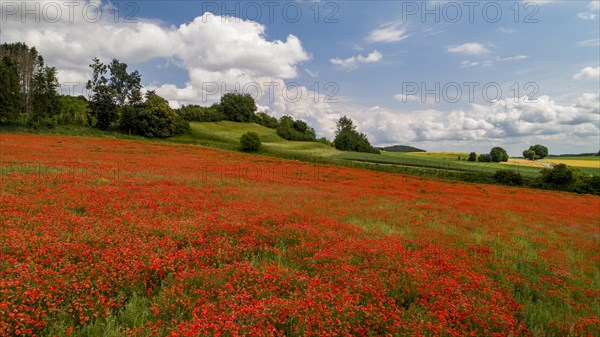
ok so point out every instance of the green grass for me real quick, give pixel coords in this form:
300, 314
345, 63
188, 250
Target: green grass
440, 161
226, 135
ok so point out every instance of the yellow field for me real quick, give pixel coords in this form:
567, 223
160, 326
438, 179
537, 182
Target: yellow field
574, 162
523, 162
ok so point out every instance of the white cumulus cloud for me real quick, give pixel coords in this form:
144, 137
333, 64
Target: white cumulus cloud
469, 49
588, 73
352, 62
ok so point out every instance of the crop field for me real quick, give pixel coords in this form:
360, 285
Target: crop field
440, 161
589, 164
110, 237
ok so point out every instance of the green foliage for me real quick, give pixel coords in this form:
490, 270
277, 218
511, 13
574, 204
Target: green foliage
560, 176
197, 113
264, 119
103, 107
295, 130
530, 154
508, 177
472, 156
567, 178
46, 102
485, 158
10, 100
498, 154
74, 110
250, 142
181, 126
539, 152
152, 119
126, 86
325, 141
348, 139
238, 107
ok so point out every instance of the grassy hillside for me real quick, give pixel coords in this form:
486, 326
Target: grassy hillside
227, 135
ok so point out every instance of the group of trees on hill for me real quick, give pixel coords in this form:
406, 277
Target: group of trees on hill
29, 97
238, 107
496, 155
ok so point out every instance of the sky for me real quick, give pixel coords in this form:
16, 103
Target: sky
438, 75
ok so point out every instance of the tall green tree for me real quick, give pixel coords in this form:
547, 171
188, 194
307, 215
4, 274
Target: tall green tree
348, 139
103, 105
126, 86
10, 99
45, 98
26, 62
238, 107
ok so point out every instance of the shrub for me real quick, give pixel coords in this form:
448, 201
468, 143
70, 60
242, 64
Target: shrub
508, 177
485, 158
250, 142
560, 176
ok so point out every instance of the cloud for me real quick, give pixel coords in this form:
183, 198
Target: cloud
587, 73
404, 98
389, 32
589, 43
513, 58
587, 16
594, 7
352, 62
468, 64
213, 50
469, 49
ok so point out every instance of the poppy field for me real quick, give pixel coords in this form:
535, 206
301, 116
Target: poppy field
105, 237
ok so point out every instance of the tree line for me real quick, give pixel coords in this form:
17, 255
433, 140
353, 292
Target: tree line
29, 97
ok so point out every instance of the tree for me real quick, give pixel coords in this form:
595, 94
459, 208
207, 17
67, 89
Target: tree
238, 107
126, 86
25, 61
103, 107
199, 113
529, 154
250, 142
266, 120
295, 130
348, 139
498, 154
540, 151
485, 158
155, 118
10, 100
472, 156
45, 99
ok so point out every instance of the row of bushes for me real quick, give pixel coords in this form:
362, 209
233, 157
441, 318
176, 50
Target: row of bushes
561, 177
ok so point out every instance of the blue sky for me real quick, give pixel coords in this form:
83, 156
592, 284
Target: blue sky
370, 60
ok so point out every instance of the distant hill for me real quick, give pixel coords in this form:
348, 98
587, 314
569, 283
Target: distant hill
402, 148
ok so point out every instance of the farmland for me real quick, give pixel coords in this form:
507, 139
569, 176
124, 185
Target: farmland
110, 237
